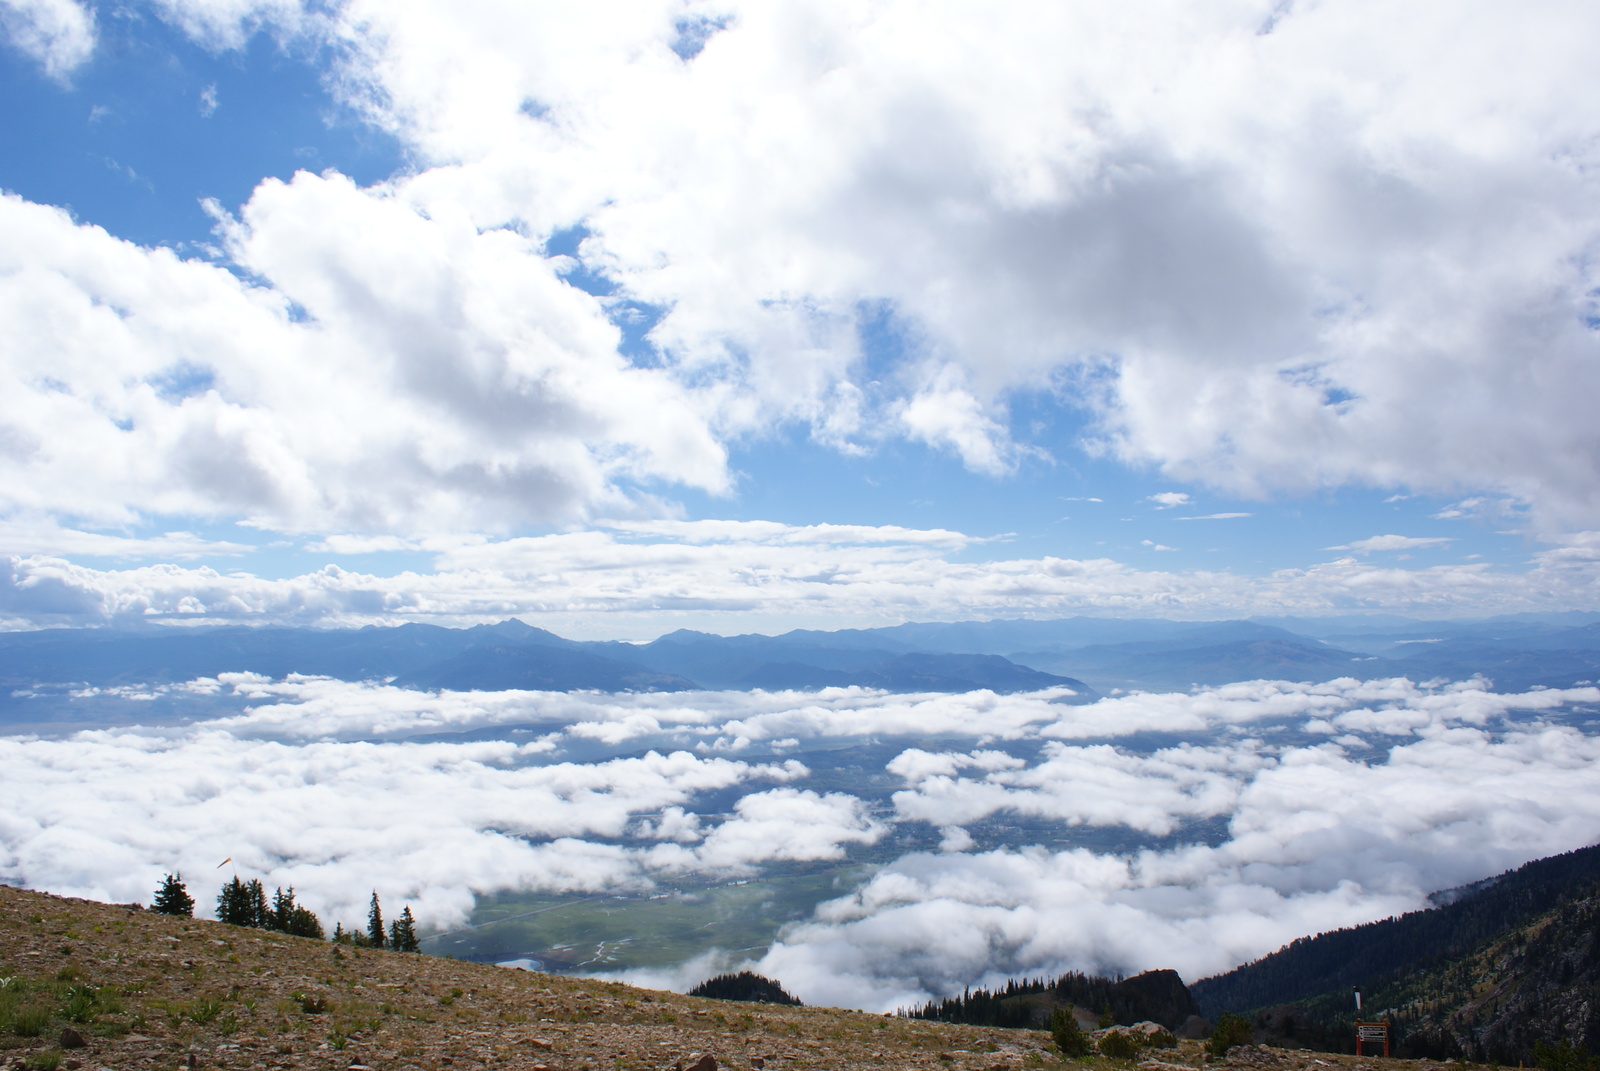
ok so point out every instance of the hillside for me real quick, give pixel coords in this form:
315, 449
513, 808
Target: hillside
1498, 966
145, 990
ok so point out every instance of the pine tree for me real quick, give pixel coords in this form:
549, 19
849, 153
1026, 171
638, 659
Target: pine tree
375, 923
233, 904
259, 912
403, 933
243, 904
283, 906
172, 898
289, 917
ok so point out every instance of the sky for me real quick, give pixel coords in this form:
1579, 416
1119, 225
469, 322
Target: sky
626, 317
752, 316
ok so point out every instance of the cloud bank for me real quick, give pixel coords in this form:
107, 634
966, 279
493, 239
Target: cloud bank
1253, 814
643, 578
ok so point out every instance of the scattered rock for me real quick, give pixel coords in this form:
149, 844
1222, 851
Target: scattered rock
705, 1063
71, 1039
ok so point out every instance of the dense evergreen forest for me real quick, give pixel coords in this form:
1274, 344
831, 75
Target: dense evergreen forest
1494, 975
1364, 955
745, 986
1156, 996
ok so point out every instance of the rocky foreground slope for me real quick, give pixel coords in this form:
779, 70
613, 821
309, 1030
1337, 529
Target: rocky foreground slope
92, 986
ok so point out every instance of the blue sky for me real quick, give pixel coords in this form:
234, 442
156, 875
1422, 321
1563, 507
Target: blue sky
443, 304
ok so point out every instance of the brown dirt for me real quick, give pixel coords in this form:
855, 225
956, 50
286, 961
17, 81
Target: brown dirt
147, 991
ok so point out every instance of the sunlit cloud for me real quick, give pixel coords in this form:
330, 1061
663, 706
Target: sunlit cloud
315, 783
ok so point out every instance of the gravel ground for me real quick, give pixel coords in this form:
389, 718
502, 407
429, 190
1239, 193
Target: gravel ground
91, 986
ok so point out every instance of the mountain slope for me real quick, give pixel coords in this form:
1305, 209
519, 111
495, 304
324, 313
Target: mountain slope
140, 989
1464, 978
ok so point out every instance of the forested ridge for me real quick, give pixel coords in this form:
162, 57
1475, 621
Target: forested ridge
1366, 955
1157, 996
1510, 967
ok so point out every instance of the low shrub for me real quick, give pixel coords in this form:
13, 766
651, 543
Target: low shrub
1231, 1030
1119, 1046
1068, 1035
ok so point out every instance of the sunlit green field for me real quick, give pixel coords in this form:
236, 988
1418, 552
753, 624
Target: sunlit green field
663, 929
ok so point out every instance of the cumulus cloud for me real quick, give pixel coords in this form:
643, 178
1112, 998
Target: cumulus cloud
1260, 293
1385, 277
57, 34
404, 371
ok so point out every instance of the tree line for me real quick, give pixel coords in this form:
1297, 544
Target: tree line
1008, 1006
244, 903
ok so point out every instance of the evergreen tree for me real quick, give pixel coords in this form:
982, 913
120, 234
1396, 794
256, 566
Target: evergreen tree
233, 904
243, 904
289, 917
375, 923
403, 933
257, 895
283, 906
303, 922
172, 898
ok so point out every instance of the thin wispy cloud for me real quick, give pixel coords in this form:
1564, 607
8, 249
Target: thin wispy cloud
1394, 542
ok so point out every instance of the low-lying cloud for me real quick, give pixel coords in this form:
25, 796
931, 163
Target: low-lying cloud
1251, 814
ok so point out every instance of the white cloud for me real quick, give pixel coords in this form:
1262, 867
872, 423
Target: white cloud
1316, 840
791, 825
1267, 282
1384, 276
1394, 542
630, 581
945, 414
435, 824
313, 784
1169, 499
446, 378
57, 34
43, 535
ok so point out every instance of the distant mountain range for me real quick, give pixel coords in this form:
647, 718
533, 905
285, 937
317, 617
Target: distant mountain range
1090, 656
495, 657
1499, 966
